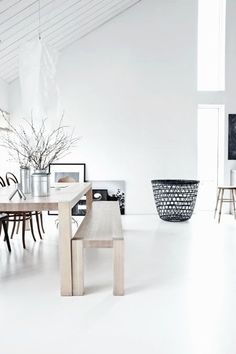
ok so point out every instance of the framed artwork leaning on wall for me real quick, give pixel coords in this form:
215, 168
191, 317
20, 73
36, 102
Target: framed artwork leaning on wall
67, 173
232, 137
62, 174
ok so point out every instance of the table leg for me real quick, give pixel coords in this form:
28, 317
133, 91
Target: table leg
65, 259
89, 199
118, 267
78, 267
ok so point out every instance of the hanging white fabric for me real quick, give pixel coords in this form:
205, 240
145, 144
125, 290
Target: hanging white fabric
37, 72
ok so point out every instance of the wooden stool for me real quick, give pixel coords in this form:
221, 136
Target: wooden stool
221, 199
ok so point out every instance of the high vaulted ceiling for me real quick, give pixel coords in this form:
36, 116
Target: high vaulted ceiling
61, 23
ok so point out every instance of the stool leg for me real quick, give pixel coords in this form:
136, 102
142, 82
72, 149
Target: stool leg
221, 202
234, 196
118, 267
233, 202
78, 267
217, 201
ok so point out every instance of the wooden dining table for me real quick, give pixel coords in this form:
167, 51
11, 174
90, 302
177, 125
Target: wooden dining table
63, 199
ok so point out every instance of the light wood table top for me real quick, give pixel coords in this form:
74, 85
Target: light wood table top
66, 194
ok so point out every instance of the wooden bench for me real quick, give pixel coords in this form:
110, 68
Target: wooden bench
101, 228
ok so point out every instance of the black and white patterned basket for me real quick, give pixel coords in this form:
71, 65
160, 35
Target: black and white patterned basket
175, 198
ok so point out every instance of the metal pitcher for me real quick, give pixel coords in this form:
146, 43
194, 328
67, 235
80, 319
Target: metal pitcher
25, 184
40, 183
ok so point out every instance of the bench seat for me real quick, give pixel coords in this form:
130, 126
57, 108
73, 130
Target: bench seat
101, 228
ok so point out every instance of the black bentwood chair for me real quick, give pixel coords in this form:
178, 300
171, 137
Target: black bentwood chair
4, 223
22, 217
2, 182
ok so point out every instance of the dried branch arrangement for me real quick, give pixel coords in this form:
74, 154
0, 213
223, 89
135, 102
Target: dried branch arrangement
37, 147
3, 114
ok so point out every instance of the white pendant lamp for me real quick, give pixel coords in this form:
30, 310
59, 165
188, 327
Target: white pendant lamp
37, 73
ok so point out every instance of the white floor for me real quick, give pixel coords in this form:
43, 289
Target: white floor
180, 293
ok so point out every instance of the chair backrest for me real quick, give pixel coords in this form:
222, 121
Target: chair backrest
2, 182
10, 177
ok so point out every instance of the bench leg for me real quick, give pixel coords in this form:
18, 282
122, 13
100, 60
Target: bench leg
118, 267
65, 234
78, 267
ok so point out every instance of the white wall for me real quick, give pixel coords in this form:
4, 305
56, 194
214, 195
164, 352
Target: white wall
130, 90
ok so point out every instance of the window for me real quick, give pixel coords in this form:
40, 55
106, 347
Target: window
211, 45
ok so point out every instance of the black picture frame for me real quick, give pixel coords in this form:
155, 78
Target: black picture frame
73, 170
100, 194
232, 137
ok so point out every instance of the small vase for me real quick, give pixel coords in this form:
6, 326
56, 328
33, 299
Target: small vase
25, 180
40, 183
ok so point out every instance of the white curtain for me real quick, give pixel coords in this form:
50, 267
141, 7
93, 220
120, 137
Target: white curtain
37, 71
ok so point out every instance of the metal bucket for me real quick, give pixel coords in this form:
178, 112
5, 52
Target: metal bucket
40, 183
25, 184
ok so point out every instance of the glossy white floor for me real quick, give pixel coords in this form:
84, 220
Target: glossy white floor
180, 293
